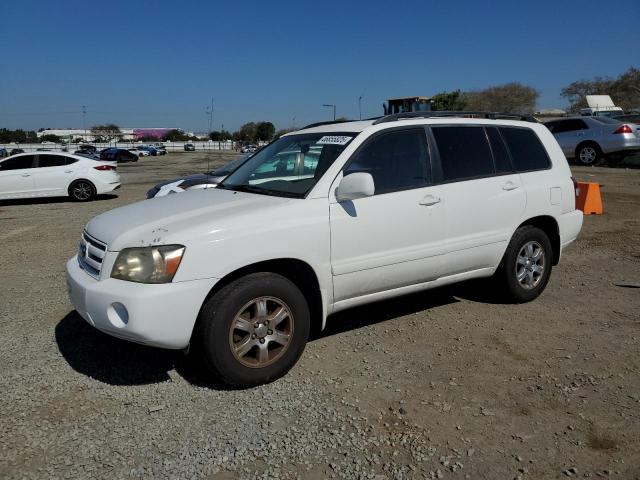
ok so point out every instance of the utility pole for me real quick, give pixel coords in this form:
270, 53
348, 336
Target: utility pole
331, 105
84, 127
293, 123
360, 107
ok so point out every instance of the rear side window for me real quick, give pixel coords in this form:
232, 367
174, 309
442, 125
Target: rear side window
396, 160
527, 151
464, 152
18, 163
52, 160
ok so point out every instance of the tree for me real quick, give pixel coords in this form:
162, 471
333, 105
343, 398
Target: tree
17, 136
624, 90
175, 135
281, 132
509, 98
448, 101
49, 137
264, 131
105, 132
247, 133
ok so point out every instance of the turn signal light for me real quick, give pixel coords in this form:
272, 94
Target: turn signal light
104, 167
624, 129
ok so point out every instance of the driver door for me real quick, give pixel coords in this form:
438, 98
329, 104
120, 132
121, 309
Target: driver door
391, 239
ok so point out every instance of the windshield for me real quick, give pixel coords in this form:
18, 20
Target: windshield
290, 166
227, 168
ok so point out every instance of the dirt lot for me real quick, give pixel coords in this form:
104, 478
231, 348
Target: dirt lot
444, 384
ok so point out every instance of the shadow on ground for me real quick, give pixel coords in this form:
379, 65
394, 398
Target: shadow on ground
46, 200
117, 362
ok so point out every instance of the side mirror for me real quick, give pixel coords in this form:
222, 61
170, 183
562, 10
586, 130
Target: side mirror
354, 186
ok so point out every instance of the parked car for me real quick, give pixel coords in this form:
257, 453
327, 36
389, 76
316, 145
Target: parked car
384, 208
248, 148
189, 147
15, 151
589, 139
27, 175
3, 153
197, 181
119, 155
140, 151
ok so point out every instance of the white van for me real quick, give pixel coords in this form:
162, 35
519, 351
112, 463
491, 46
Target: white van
362, 212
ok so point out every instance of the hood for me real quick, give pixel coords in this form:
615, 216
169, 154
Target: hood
197, 178
176, 218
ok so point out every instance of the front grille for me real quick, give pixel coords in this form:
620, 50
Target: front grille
91, 254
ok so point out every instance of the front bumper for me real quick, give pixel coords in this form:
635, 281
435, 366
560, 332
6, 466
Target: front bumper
161, 315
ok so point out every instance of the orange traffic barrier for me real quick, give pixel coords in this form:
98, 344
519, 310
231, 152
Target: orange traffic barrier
589, 199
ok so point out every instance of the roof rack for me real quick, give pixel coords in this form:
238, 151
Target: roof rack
394, 117
330, 122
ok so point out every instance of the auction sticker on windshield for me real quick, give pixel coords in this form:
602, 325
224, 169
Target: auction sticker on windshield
334, 140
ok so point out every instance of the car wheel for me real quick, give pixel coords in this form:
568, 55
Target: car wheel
82, 191
253, 330
588, 154
526, 265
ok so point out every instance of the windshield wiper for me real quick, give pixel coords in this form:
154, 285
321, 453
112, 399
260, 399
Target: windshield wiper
260, 191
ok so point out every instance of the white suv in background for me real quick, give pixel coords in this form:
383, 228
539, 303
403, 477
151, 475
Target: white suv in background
354, 213
52, 174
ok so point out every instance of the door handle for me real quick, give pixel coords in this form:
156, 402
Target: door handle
509, 186
429, 200
68, 171
26, 174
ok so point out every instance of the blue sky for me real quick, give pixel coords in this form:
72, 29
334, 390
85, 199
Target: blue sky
158, 63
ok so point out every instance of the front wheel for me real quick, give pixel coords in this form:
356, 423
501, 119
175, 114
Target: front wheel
526, 265
253, 330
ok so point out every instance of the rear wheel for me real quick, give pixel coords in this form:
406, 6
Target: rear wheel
253, 330
82, 191
588, 154
526, 265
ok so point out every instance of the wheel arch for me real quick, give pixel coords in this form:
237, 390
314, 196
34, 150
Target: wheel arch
80, 179
585, 143
548, 225
297, 271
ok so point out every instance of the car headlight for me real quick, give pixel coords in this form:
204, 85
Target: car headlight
148, 264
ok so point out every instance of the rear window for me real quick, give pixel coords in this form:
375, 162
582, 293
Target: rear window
464, 152
527, 151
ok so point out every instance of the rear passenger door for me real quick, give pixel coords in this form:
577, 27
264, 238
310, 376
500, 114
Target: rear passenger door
53, 174
482, 195
569, 133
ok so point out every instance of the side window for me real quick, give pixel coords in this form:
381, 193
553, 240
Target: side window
51, 160
17, 163
396, 160
500, 153
464, 152
527, 151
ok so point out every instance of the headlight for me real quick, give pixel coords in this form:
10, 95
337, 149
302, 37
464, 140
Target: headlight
148, 264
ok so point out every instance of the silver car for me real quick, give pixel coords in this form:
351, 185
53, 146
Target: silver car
589, 139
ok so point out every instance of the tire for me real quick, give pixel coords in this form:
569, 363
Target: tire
82, 191
233, 349
588, 154
521, 281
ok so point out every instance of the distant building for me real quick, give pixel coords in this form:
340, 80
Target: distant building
127, 134
407, 104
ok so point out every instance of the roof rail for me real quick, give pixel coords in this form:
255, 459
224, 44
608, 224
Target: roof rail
394, 117
330, 122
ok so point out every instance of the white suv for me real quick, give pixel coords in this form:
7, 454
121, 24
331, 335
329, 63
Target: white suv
353, 213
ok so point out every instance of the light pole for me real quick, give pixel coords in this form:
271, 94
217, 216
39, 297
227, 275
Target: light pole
331, 105
84, 114
360, 107
293, 123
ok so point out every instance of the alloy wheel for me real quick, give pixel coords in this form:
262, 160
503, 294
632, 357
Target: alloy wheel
530, 265
81, 191
261, 332
588, 155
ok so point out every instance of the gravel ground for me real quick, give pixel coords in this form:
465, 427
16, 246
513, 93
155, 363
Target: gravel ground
443, 384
